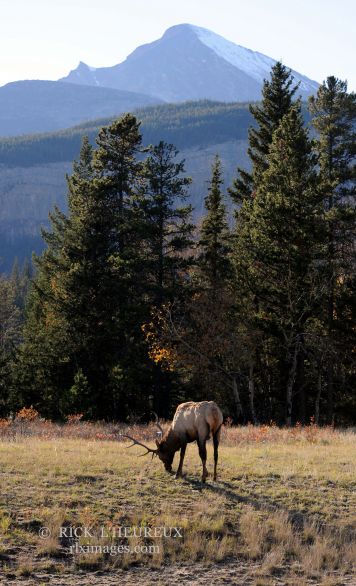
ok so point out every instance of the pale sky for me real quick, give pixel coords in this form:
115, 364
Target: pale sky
44, 39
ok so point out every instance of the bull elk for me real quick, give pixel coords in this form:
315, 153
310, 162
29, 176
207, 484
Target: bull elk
191, 422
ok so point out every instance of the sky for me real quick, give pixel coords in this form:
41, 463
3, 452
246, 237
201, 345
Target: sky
45, 39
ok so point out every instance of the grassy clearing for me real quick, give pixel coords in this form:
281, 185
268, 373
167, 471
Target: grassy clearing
283, 508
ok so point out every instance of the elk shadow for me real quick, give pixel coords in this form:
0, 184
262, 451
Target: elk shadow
226, 489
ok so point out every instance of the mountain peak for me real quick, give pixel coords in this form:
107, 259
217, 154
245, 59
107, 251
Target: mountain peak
178, 28
189, 62
85, 67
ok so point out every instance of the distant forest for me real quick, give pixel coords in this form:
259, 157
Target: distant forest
131, 308
184, 125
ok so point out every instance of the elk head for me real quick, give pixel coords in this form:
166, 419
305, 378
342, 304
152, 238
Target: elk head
165, 454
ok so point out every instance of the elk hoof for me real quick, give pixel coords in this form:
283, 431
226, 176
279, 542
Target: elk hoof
205, 476
178, 475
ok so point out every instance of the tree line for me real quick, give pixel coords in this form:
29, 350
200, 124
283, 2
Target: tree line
186, 125
132, 308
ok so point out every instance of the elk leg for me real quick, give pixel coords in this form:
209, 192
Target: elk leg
180, 467
216, 445
202, 454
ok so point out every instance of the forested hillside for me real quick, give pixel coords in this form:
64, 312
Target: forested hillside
33, 168
185, 125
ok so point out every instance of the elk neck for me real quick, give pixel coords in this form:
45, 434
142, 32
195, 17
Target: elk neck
172, 440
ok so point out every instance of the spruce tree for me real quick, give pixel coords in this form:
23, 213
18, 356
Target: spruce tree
116, 164
277, 99
215, 238
334, 119
166, 221
277, 248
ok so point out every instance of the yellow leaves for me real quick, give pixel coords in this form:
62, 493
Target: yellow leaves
147, 329
157, 352
163, 356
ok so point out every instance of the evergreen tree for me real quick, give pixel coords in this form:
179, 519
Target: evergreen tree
78, 326
277, 248
334, 118
118, 168
166, 223
118, 164
15, 279
167, 235
215, 238
277, 99
10, 336
20, 281
198, 334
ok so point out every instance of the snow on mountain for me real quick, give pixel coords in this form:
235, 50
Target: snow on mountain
253, 63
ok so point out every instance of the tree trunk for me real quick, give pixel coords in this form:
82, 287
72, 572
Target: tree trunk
251, 391
331, 299
330, 391
236, 394
318, 395
290, 385
301, 384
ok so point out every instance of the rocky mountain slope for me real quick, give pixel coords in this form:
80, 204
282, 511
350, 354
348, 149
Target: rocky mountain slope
189, 63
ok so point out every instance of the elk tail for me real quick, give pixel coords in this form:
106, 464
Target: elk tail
217, 432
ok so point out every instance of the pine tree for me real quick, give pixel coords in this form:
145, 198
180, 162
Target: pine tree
118, 168
277, 99
44, 363
215, 238
334, 117
82, 300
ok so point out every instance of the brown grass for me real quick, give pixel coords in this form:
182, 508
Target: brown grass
283, 506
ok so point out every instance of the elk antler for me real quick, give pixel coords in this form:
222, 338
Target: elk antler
137, 443
157, 422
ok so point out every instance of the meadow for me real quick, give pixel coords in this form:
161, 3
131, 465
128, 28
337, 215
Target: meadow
282, 511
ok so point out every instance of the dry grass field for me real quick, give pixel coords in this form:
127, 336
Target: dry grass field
281, 513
